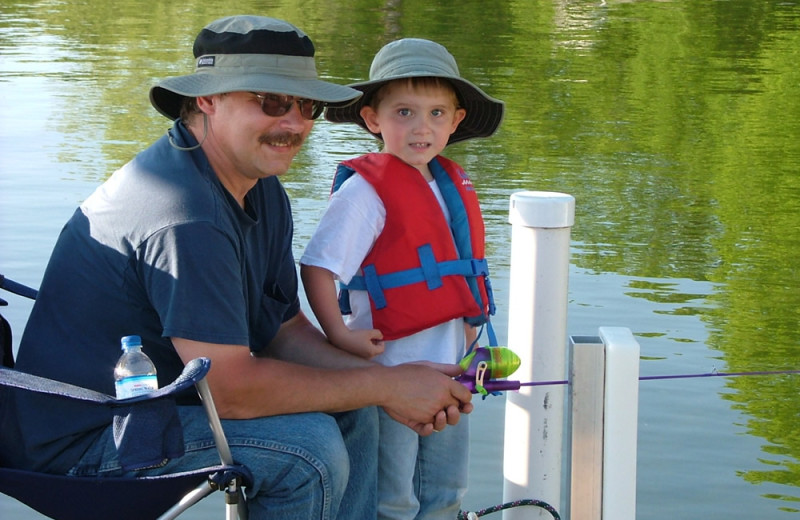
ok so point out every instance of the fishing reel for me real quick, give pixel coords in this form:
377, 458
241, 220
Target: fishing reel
483, 368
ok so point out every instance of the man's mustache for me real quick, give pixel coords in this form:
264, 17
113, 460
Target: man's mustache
282, 138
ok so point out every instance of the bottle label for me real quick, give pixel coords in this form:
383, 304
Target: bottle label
135, 385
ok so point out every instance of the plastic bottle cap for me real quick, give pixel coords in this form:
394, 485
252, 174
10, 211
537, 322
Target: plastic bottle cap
131, 341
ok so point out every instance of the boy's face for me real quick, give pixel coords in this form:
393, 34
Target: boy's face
415, 122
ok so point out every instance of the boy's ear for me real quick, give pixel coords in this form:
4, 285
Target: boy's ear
370, 117
459, 116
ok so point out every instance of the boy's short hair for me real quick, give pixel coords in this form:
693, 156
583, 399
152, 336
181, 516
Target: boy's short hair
416, 82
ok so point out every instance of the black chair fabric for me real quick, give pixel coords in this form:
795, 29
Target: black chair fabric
87, 498
147, 431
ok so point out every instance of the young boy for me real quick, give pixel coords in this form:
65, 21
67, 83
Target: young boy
404, 235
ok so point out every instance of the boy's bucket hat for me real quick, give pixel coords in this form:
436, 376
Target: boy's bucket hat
249, 53
415, 57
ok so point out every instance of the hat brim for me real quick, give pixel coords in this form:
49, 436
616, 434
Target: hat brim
484, 113
167, 96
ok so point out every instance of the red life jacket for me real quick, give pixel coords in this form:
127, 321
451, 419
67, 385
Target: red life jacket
419, 273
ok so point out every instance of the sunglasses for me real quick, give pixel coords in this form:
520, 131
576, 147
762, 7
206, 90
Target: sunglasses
276, 105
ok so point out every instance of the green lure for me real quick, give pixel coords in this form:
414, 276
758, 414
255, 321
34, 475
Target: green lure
484, 365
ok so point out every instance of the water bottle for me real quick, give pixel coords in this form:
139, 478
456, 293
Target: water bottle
134, 374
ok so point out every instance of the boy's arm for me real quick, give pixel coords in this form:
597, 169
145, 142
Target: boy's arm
320, 287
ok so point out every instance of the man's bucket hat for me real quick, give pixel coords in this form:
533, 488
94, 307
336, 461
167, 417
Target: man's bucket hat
249, 53
415, 57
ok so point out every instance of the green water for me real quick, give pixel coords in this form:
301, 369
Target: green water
673, 124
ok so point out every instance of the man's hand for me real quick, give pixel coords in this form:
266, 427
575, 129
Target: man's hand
424, 397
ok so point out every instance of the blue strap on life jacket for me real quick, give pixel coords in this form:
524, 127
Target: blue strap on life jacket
343, 172
430, 272
489, 332
459, 226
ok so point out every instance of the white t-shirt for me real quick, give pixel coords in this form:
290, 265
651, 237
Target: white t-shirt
349, 227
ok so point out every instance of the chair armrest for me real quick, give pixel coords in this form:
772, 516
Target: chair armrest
147, 429
193, 372
17, 288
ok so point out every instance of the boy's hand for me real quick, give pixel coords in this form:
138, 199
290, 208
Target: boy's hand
366, 343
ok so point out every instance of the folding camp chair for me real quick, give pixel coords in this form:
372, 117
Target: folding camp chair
158, 497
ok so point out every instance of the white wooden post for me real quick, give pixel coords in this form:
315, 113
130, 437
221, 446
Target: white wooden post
537, 320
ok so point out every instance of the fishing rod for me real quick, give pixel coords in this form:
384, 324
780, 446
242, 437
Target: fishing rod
484, 367
681, 376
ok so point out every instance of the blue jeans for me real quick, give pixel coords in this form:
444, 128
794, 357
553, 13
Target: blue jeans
304, 466
422, 478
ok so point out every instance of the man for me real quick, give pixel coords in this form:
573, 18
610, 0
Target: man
189, 246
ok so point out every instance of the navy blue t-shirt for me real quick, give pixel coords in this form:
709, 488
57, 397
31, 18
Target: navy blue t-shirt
160, 250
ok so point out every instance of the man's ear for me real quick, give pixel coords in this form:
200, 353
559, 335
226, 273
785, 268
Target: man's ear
206, 104
370, 117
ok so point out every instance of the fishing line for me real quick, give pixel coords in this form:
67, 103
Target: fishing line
469, 515
681, 376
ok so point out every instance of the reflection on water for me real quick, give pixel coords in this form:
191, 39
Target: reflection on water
674, 124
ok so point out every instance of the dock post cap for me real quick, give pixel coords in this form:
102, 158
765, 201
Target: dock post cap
542, 209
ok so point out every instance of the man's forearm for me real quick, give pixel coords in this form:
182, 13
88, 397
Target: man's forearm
304, 373
298, 341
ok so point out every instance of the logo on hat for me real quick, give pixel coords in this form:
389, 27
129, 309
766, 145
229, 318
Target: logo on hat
205, 61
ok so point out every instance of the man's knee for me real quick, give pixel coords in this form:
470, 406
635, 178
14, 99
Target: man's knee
299, 458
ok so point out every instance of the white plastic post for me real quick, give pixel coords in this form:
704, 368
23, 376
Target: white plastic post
537, 322
620, 423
